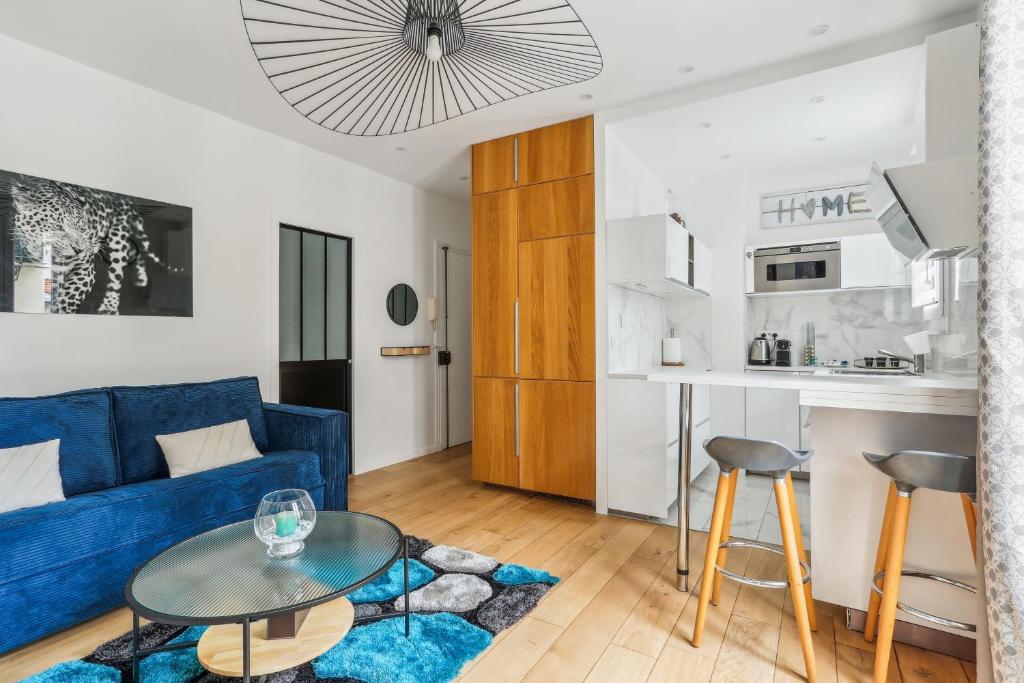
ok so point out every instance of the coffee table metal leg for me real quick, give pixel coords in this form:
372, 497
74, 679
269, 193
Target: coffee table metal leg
405, 558
245, 651
135, 647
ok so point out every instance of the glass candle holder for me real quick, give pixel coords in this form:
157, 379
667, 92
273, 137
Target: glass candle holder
283, 520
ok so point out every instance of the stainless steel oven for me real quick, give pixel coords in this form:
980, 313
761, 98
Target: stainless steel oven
797, 268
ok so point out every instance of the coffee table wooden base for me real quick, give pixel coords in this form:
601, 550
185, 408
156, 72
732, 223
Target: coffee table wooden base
220, 647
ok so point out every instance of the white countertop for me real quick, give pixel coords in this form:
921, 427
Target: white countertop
933, 393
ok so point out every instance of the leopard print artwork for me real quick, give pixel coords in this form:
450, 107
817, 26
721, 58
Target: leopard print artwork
81, 224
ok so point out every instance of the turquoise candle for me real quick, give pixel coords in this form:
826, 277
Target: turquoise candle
285, 523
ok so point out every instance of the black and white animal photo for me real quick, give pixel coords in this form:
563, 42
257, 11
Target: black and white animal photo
66, 248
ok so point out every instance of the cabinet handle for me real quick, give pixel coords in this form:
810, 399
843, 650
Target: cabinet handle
517, 419
516, 341
515, 159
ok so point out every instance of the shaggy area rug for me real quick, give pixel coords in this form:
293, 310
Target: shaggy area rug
460, 600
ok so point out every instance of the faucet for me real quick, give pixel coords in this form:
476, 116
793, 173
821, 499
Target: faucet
917, 361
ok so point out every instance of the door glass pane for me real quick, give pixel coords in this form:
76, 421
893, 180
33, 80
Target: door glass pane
337, 298
289, 300
313, 257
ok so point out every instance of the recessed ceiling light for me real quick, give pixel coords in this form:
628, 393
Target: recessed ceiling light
817, 99
725, 156
686, 69
399, 149
704, 124
820, 138
465, 177
586, 97
819, 30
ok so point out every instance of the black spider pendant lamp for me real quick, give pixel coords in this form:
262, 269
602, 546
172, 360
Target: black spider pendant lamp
381, 67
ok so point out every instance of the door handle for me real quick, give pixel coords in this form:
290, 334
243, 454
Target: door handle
517, 420
515, 160
515, 308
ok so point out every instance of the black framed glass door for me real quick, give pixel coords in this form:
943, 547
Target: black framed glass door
315, 320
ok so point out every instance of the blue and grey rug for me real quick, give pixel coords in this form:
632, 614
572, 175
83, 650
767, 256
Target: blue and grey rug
460, 600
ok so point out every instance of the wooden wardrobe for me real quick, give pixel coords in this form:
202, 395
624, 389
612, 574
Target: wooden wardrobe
533, 310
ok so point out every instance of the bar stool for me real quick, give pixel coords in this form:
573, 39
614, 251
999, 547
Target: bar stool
760, 457
910, 470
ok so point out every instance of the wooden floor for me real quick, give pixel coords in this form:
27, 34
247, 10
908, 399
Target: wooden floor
614, 617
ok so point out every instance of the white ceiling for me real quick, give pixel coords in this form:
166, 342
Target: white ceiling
197, 50
868, 113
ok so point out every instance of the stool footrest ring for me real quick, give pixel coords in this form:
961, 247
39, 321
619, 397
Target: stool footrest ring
760, 583
934, 618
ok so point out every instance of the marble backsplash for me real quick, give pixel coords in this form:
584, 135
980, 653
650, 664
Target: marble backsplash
855, 324
637, 323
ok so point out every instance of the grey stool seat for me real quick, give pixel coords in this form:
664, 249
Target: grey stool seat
734, 454
910, 470
760, 457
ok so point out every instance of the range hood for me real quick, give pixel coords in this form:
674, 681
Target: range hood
928, 210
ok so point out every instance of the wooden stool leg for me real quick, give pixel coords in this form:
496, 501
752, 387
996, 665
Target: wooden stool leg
874, 599
891, 585
795, 575
716, 592
811, 612
707, 578
971, 517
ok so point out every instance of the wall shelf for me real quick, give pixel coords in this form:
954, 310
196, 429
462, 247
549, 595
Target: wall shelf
392, 351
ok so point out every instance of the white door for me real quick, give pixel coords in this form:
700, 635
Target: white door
456, 328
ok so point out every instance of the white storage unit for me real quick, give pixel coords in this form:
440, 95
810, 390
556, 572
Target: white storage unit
656, 255
643, 444
776, 415
870, 261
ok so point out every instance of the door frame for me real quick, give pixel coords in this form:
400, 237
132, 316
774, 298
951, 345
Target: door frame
275, 352
441, 337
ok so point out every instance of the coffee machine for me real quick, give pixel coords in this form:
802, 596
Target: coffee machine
783, 352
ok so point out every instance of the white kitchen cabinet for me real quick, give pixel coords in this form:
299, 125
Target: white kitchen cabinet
652, 254
774, 415
701, 266
870, 261
643, 446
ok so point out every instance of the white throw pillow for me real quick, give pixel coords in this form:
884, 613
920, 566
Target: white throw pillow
30, 475
204, 449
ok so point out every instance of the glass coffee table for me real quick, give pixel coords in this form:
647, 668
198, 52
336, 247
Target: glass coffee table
265, 614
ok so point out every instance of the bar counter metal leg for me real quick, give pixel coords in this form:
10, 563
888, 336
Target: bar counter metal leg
683, 497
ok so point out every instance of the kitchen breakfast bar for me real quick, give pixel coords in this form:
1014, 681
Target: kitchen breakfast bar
850, 414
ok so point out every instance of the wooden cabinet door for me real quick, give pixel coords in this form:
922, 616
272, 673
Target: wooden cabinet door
557, 208
556, 308
494, 284
494, 165
494, 431
557, 437
563, 150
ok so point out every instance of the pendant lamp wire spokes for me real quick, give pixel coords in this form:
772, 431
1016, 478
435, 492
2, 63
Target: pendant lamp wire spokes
381, 67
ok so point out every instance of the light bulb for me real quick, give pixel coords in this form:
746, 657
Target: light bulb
434, 44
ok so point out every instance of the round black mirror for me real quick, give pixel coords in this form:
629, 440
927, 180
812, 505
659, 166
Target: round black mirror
402, 304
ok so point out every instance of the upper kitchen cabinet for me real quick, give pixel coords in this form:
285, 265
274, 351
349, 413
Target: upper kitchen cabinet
656, 255
556, 309
564, 150
495, 241
557, 208
870, 261
494, 165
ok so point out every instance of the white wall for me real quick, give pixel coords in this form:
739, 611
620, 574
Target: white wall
65, 121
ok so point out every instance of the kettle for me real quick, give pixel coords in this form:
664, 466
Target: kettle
761, 350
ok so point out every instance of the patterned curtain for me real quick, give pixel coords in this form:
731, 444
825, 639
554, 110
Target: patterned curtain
1001, 343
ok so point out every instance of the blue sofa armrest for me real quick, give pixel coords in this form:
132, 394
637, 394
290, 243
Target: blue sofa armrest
325, 432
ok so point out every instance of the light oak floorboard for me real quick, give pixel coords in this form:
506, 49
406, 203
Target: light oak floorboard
615, 615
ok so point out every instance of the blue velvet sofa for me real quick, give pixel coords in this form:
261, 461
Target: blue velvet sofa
65, 562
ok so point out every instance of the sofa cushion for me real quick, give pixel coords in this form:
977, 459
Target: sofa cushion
30, 475
56, 597
82, 420
140, 413
160, 512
